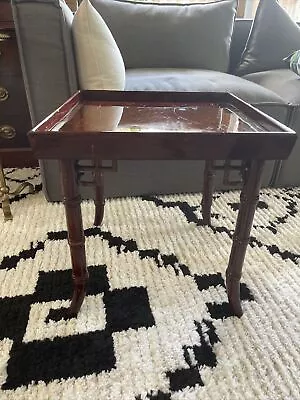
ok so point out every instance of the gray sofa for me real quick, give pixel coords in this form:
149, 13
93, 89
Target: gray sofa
49, 69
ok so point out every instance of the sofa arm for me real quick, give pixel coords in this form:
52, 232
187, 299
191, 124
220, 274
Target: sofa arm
45, 45
284, 82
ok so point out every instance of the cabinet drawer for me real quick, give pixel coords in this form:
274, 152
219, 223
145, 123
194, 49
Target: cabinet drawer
9, 56
14, 115
13, 131
5, 11
12, 95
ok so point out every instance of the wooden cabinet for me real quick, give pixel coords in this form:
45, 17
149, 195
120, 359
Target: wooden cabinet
14, 115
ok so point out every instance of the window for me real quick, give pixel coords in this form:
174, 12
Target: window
248, 8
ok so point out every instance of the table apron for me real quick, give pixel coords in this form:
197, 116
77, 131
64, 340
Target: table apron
162, 147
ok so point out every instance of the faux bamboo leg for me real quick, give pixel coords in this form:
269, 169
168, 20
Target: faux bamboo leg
249, 198
75, 233
99, 195
4, 195
207, 194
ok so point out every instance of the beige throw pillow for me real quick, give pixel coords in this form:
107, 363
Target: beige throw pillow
99, 61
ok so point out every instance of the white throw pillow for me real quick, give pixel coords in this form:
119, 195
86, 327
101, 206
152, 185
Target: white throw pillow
99, 61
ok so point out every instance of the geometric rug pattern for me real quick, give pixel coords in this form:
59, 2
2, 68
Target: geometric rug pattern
155, 323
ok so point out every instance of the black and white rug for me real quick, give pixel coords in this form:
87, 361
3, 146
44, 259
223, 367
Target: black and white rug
155, 323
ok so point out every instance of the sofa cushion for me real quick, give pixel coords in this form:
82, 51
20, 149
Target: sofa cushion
99, 61
198, 80
284, 82
239, 39
208, 81
274, 35
171, 35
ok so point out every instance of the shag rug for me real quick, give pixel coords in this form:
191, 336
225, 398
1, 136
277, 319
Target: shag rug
155, 323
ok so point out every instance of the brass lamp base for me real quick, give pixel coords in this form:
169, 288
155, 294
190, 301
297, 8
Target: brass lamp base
5, 193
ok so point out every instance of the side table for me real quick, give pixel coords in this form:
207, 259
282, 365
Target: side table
160, 126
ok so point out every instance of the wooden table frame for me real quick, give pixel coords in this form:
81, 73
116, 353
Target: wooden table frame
249, 198
276, 143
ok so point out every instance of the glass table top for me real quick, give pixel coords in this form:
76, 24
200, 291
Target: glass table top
185, 118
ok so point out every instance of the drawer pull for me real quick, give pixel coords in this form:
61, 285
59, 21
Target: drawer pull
4, 36
3, 94
7, 132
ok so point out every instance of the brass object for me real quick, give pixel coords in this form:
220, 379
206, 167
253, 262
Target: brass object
7, 132
4, 198
4, 36
5, 193
3, 94
21, 187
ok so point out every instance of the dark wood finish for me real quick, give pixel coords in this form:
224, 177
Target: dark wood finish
118, 146
266, 139
99, 192
6, 18
18, 157
274, 141
207, 192
9, 58
59, 114
75, 233
14, 113
249, 198
67, 110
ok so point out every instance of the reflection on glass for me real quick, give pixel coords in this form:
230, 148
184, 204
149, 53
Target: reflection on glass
91, 118
106, 118
204, 117
182, 119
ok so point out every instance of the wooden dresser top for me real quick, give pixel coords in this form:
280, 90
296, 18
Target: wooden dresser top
6, 18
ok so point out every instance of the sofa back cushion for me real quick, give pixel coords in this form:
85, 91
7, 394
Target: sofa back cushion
171, 35
274, 35
239, 38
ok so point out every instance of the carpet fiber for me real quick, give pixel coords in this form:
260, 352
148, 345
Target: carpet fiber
155, 323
